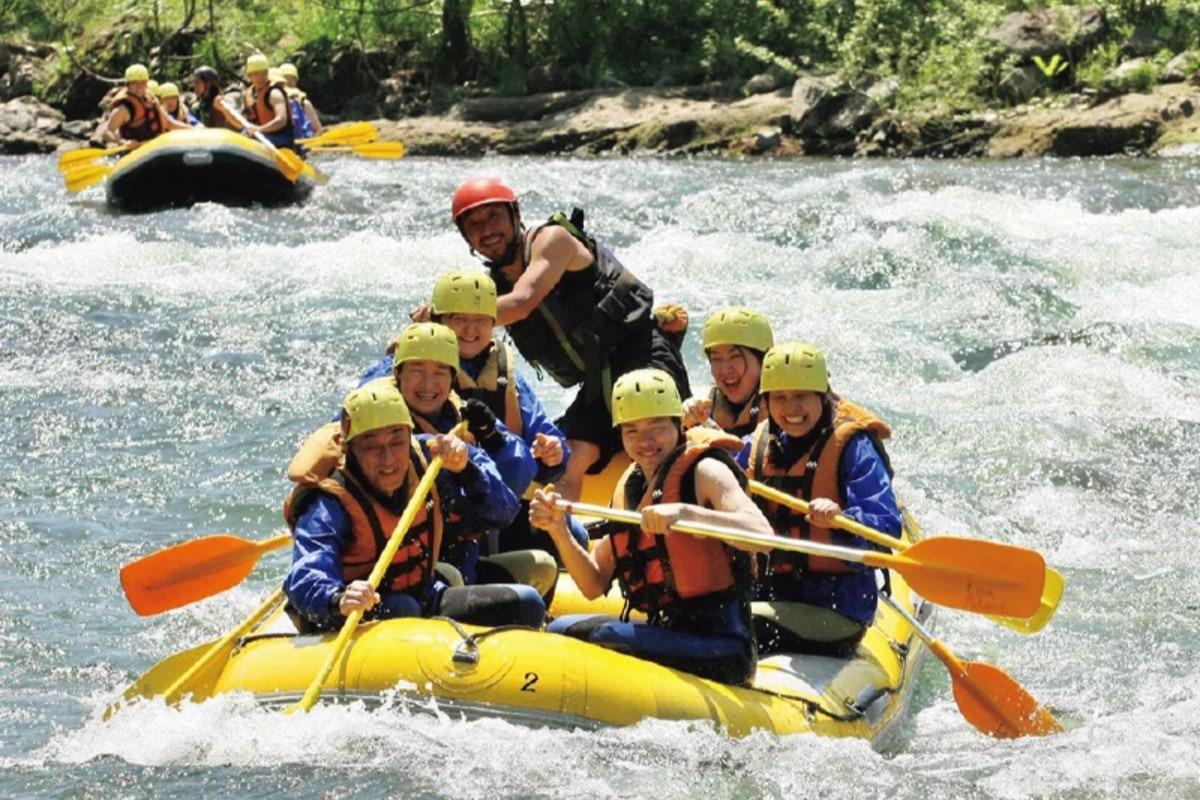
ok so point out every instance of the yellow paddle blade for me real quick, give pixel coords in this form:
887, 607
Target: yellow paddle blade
81, 178
971, 574
77, 158
290, 164
352, 133
1052, 593
189, 572
381, 150
195, 671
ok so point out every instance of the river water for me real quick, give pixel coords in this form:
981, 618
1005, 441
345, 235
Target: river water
1030, 329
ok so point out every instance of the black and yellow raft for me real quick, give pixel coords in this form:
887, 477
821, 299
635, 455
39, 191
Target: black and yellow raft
539, 678
202, 165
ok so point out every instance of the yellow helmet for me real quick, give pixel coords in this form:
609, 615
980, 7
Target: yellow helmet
426, 341
152, 87
645, 393
740, 327
257, 63
794, 366
275, 77
465, 292
136, 72
168, 89
288, 70
375, 405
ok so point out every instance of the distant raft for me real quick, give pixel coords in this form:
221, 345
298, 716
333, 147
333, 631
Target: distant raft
202, 165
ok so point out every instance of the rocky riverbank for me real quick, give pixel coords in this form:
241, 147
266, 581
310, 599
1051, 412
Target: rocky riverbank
1144, 106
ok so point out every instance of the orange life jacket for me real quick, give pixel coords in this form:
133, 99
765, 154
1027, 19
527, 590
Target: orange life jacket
144, 121
371, 525
496, 386
660, 575
814, 475
746, 419
259, 110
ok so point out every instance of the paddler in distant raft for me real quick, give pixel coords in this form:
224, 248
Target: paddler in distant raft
307, 121
342, 522
206, 84
173, 106
694, 590
266, 105
135, 115
734, 343
827, 451
571, 309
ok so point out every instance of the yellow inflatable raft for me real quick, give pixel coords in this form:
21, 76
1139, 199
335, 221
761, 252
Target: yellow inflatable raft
184, 167
539, 678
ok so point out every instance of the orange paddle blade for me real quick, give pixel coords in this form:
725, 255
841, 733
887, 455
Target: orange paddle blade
996, 704
971, 574
192, 571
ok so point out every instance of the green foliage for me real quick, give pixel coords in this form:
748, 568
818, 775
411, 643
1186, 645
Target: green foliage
935, 48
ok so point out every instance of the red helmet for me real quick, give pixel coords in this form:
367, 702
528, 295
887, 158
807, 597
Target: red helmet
478, 192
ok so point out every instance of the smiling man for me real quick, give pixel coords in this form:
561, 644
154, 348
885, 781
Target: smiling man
341, 524
571, 309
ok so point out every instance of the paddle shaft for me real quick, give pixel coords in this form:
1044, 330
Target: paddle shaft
381, 565
868, 557
973, 575
289, 163
353, 133
176, 689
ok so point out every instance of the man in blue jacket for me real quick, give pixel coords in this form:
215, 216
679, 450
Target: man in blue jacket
341, 524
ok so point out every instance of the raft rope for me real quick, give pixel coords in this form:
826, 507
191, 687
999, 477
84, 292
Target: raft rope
467, 651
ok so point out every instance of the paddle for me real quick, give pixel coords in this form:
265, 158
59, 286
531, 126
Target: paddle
290, 164
381, 564
352, 133
81, 178
970, 574
1052, 589
192, 571
386, 150
987, 696
77, 158
173, 676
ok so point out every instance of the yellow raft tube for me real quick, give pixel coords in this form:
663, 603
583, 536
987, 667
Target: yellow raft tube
539, 678
184, 167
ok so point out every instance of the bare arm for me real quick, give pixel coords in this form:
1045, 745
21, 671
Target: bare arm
722, 502
118, 117
591, 571
312, 117
279, 103
554, 252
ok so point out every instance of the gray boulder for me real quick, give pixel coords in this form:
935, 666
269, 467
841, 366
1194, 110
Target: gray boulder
1047, 31
828, 114
1179, 68
760, 84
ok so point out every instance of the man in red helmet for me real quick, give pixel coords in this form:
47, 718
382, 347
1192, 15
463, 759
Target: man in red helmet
571, 309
